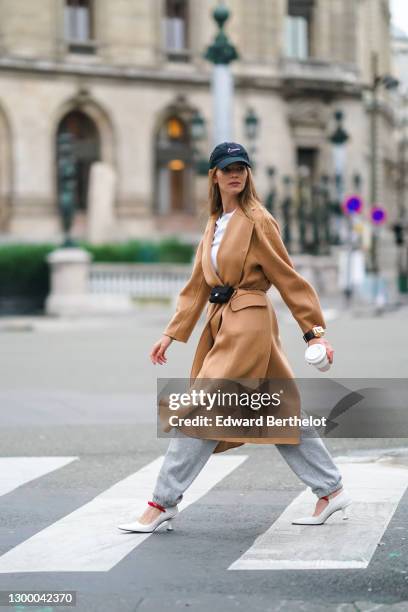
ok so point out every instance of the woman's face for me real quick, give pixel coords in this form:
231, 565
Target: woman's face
231, 179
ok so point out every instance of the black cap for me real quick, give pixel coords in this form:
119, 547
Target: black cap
227, 153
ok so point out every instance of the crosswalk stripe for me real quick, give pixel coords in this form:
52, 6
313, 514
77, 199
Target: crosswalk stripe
17, 471
88, 540
376, 490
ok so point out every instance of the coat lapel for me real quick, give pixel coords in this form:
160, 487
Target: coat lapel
232, 250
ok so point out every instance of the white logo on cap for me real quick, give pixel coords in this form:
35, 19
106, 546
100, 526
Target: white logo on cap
232, 150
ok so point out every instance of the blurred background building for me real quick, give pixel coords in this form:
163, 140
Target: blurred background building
126, 83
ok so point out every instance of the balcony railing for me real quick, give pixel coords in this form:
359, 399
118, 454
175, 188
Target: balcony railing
317, 69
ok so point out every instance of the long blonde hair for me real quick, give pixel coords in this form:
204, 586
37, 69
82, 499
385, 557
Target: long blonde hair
247, 198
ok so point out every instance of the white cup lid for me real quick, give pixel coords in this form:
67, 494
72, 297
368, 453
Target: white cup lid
315, 353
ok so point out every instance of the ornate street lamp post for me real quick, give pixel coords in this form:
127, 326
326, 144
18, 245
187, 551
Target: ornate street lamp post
389, 83
401, 225
271, 197
221, 53
251, 124
338, 140
287, 205
197, 127
303, 208
325, 201
198, 134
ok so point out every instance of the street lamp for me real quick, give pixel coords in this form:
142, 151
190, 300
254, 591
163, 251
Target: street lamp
401, 225
338, 140
287, 204
357, 181
324, 192
198, 134
389, 83
271, 197
197, 126
303, 209
221, 53
251, 125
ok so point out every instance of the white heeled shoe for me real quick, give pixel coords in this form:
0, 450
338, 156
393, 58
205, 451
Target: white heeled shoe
338, 502
167, 514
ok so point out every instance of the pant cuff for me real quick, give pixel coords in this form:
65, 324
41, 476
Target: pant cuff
166, 503
323, 492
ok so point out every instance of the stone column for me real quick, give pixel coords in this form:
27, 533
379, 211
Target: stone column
100, 218
221, 53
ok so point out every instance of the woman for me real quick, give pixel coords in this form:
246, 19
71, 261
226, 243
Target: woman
241, 248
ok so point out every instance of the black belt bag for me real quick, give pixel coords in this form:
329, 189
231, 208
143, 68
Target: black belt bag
221, 294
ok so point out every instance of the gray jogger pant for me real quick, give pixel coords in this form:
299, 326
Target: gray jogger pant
186, 457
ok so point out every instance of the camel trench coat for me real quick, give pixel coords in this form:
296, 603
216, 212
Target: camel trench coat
240, 338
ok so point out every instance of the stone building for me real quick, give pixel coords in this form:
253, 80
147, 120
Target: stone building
127, 79
399, 49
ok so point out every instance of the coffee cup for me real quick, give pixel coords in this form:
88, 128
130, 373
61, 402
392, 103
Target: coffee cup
316, 355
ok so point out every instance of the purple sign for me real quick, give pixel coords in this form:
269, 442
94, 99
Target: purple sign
378, 215
352, 205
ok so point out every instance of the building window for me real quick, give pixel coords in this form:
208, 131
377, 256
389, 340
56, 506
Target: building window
175, 30
298, 29
174, 169
78, 25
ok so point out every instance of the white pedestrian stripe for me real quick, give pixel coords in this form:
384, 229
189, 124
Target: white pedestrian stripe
88, 540
17, 471
376, 490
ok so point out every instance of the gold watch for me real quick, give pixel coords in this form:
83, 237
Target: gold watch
316, 332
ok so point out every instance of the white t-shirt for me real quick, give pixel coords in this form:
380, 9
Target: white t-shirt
220, 226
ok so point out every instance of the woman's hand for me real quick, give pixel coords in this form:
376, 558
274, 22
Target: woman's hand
329, 348
159, 348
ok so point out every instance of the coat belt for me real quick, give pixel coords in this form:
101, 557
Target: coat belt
241, 290
236, 292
